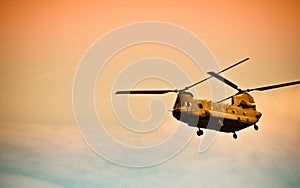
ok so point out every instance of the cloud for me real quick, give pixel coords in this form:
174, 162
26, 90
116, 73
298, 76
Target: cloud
58, 156
15, 181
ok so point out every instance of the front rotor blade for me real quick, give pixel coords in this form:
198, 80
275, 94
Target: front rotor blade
146, 92
234, 65
273, 86
188, 87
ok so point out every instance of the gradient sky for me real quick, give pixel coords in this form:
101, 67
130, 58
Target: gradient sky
42, 44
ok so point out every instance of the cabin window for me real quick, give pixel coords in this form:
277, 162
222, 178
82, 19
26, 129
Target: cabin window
200, 105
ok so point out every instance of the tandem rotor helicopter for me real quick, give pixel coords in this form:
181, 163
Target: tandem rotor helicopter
228, 118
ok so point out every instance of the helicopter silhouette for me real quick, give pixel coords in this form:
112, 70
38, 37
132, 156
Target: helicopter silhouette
207, 114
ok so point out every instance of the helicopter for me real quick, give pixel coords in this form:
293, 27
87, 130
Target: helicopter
215, 115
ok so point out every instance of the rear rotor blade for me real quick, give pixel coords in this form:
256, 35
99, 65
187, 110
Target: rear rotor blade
263, 89
226, 98
222, 79
188, 87
175, 90
273, 86
146, 91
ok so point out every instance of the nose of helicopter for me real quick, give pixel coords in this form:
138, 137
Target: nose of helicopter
176, 113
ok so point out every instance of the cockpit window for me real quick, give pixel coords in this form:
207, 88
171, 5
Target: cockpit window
187, 103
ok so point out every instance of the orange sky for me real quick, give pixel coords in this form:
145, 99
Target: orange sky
42, 44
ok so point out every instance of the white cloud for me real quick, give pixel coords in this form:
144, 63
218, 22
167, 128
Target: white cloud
17, 181
56, 154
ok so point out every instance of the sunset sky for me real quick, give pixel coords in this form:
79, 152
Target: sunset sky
43, 42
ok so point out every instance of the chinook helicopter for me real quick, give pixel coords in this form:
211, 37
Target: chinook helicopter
206, 114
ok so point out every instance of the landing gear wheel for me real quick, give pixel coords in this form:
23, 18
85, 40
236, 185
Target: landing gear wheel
234, 136
256, 127
199, 132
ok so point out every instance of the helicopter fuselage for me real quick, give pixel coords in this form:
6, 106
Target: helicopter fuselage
229, 118
215, 116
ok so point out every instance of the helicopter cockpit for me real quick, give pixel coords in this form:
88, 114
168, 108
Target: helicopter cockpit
186, 106
184, 101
